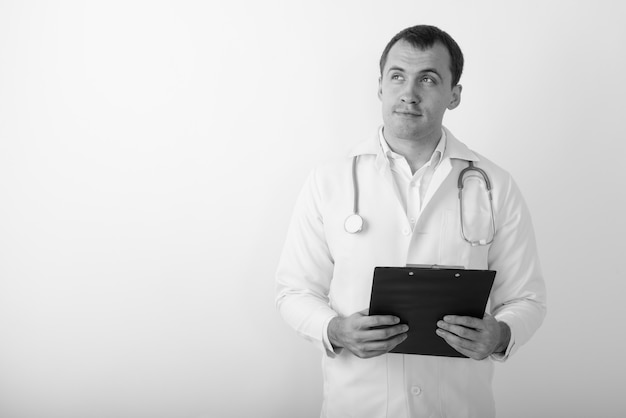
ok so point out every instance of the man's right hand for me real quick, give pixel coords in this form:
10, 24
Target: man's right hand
361, 335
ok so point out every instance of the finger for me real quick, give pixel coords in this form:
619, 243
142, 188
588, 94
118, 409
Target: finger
384, 346
464, 347
467, 353
381, 334
466, 321
379, 320
457, 342
463, 332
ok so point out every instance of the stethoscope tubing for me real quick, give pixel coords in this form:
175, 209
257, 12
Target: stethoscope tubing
472, 167
355, 186
354, 222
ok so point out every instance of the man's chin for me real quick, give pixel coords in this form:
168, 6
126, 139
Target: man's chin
412, 128
407, 132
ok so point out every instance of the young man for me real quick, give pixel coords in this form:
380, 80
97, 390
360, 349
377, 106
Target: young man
408, 196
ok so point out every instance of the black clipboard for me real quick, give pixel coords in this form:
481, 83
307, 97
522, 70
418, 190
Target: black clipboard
422, 296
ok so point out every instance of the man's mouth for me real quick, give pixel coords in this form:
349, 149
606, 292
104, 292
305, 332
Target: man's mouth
408, 113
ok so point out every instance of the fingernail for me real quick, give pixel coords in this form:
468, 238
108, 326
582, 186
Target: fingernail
439, 332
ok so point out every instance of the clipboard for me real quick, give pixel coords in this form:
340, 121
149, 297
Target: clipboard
422, 296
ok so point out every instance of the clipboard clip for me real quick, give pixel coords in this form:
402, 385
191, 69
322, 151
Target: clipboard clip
435, 267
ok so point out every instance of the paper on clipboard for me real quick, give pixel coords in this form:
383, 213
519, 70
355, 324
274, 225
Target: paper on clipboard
422, 296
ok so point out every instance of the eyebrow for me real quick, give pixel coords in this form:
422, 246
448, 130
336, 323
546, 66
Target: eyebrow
395, 69
432, 70
426, 70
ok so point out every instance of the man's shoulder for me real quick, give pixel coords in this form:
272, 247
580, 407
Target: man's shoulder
367, 147
464, 152
333, 167
489, 165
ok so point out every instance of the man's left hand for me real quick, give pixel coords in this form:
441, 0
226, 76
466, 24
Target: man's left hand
476, 338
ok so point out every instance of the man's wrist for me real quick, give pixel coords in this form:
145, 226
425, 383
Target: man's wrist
332, 335
505, 337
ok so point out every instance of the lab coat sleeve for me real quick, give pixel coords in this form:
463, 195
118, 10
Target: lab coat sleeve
305, 271
519, 294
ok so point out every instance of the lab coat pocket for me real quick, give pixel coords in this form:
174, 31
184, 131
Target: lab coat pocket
454, 250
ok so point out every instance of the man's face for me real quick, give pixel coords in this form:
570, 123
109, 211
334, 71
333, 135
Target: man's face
415, 91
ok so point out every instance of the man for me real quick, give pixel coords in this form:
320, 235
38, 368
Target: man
408, 197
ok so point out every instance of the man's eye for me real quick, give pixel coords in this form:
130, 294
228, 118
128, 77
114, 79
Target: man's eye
396, 77
428, 80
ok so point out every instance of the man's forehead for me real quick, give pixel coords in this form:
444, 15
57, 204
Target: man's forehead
403, 52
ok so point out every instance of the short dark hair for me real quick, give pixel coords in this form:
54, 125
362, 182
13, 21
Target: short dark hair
424, 37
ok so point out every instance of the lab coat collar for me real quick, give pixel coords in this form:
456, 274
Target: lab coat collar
435, 158
455, 149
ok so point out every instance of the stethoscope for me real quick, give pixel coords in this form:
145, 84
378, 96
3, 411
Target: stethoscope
354, 222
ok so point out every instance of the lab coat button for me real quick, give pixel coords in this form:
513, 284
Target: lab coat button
416, 390
406, 231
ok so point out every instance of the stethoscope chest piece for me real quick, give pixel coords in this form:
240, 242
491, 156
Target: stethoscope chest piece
354, 223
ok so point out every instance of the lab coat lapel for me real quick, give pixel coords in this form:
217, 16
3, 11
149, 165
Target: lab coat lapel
382, 165
443, 171
385, 171
455, 150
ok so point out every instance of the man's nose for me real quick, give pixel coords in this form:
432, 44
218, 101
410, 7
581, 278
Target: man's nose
410, 95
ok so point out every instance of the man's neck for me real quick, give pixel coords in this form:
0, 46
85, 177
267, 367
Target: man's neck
417, 151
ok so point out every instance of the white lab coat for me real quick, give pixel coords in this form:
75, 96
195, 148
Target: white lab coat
325, 271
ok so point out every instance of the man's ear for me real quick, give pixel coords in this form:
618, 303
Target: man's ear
380, 88
456, 96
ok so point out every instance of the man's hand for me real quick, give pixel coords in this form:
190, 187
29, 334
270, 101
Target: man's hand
360, 334
476, 338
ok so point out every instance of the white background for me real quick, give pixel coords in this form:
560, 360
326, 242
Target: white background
151, 153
